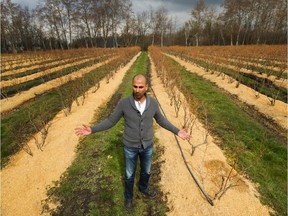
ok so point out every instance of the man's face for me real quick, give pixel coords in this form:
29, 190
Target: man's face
139, 88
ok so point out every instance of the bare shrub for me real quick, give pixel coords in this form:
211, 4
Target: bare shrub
171, 94
231, 178
222, 76
21, 139
177, 103
274, 93
39, 122
96, 84
227, 183
205, 134
188, 119
231, 79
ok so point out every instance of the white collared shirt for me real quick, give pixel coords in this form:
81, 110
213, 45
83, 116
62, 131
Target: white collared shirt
140, 106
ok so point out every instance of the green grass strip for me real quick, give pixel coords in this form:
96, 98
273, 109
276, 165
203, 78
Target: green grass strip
94, 184
239, 130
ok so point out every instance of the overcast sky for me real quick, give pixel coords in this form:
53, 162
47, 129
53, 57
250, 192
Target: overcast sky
180, 9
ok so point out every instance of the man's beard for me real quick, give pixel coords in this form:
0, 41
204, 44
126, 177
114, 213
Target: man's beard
139, 95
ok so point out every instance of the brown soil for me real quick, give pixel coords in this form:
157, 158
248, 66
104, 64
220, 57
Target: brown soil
25, 179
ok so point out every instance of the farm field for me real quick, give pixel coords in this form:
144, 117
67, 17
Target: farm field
233, 102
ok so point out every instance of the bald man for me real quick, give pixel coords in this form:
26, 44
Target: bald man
138, 111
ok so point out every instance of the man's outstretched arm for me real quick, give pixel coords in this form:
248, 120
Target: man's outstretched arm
104, 125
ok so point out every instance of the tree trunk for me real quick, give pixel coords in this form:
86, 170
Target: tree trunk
197, 39
238, 36
222, 36
153, 39
50, 44
162, 37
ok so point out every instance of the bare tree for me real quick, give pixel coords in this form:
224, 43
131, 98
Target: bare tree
15, 27
187, 31
118, 10
142, 26
129, 30
198, 14
85, 11
235, 11
162, 20
153, 25
210, 19
49, 13
68, 6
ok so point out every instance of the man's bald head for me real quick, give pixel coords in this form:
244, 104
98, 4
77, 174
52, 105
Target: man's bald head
139, 77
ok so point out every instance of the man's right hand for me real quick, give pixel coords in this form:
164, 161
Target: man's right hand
83, 131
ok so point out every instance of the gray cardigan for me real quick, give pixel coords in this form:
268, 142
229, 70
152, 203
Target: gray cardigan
138, 129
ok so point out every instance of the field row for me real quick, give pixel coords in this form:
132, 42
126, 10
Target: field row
24, 60
252, 146
248, 57
29, 111
260, 54
25, 183
271, 83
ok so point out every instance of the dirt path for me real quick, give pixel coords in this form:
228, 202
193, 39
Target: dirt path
278, 82
208, 165
16, 81
8, 65
16, 100
25, 179
278, 112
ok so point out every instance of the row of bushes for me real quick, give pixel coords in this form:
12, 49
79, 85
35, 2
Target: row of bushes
19, 125
259, 84
260, 150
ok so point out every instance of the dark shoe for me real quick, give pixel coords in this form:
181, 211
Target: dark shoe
149, 194
128, 205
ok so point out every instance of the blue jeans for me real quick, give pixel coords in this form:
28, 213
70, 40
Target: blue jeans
131, 157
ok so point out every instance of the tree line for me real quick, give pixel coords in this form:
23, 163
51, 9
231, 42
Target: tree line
65, 24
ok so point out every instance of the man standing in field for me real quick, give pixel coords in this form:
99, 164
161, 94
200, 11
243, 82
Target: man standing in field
138, 111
